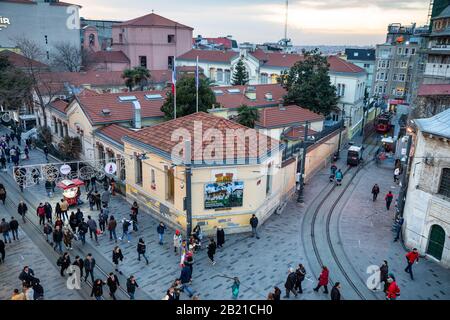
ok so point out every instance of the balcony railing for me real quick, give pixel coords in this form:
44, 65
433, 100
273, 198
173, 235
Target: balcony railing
438, 70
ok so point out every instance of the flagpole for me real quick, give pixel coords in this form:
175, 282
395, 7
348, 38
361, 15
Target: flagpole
174, 90
197, 82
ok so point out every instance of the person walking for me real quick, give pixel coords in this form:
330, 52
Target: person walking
97, 289
38, 290
79, 215
112, 224
63, 262
22, 210
103, 218
125, 233
189, 261
14, 226
388, 198
105, 197
113, 284
67, 238
375, 192
235, 288
47, 231
396, 174
2, 193
48, 188
185, 279
57, 239
83, 228
398, 228
48, 212
92, 228
64, 205
335, 292
58, 210
89, 265
40, 212
339, 177
45, 149
135, 209
323, 280
161, 229
80, 264
411, 257
2, 251
131, 287
393, 291
290, 283
301, 273
384, 272
212, 250
254, 225
177, 239
27, 275
220, 237
73, 221
97, 200
141, 248
117, 257
4, 229
133, 219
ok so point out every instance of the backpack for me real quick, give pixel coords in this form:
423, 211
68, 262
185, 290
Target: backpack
59, 262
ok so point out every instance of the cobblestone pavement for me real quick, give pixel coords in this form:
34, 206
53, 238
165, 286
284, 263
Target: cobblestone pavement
260, 264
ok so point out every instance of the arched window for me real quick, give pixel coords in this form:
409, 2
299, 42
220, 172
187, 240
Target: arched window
436, 242
92, 39
219, 75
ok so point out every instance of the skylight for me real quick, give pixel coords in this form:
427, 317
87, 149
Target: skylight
127, 98
218, 92
153, 96
233, 91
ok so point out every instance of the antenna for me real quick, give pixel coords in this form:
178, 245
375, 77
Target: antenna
286, 23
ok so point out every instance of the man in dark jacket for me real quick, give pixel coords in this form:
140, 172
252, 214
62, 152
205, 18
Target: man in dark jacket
80, 264
89, 265
22, 210
92, 228
212, 250
335, 292
254, 224
27, 275
2, 251
185, 278
82, 230
301, 273
160, 229
375, 192
384, 274
113, 284
131, 287
48, 212
14, 226
220, 237
57, 239
290, 283
4, 229
388, 198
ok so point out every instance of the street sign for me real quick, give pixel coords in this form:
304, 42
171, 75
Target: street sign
65, 169
110, 168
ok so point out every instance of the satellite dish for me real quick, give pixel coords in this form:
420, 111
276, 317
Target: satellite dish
6, 117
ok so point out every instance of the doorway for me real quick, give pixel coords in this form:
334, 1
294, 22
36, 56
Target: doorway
436, 242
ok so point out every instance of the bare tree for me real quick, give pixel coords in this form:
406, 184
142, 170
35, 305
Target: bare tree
67, 57
44, 90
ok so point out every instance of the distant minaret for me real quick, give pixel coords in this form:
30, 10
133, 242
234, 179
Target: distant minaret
286, 22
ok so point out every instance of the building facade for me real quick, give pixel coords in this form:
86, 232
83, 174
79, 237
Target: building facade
363, 58
45, 22
398, 65
427, 208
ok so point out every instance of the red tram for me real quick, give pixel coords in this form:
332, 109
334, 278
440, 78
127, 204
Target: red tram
383, 123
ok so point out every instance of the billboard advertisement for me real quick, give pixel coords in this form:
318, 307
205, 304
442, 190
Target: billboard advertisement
225, 194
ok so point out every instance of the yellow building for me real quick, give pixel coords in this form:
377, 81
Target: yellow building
235, 172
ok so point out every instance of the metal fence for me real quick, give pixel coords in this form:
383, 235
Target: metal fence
289, 151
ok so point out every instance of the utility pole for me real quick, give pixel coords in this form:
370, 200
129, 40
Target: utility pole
302, 166
286, 23
188, 202
340, 132
404, 182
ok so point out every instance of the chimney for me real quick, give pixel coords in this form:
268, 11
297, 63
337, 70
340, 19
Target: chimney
137, 123
269, 96
250, 93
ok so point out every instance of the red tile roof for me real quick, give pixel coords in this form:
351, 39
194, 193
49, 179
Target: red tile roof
151, 20
340, 65
209, 55
93, 78
59, 105
93, 104
235, 100
434, 90
276, 117
160, 137
114, 132
277, 59
227, 43
109, 56
296, 133
19, 61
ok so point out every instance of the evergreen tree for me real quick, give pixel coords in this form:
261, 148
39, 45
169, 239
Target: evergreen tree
247, 116
138, 76
308, 84
186, 98
240, 75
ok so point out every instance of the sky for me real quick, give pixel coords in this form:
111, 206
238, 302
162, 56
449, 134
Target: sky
311, 22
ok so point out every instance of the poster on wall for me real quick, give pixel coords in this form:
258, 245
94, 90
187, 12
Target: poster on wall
226, 194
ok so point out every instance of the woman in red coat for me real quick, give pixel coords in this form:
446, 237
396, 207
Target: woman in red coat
323, 280
393, 290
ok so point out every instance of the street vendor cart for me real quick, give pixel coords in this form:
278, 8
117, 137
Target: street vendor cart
71, 190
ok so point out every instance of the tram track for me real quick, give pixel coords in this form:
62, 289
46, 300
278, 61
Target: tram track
329, 214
